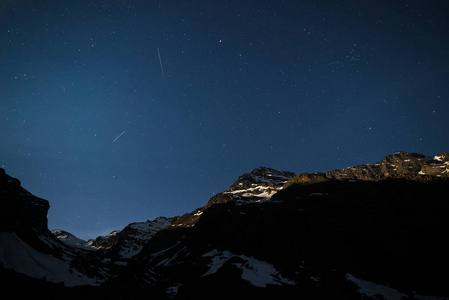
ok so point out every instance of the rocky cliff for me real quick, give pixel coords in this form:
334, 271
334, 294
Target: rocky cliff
27, 246
21, 211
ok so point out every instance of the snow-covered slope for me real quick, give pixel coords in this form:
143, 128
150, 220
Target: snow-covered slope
17, 255
258, 273
130, 241
72, 241
28, 247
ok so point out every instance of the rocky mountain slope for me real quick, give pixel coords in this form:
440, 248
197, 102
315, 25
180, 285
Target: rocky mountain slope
258, 185
373, 231
123, 243
129, 241
28, 247
412, 166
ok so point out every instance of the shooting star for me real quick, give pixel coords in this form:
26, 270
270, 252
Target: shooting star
118, 136
160, 62
335, 62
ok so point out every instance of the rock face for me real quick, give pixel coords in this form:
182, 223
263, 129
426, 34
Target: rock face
401, 165
413, 166
20, 211
28, 247
23, 214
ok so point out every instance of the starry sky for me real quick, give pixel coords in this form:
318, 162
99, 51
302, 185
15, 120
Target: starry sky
119, 111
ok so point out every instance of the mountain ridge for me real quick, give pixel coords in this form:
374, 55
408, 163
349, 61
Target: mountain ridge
414, 166
349, 232
263, 182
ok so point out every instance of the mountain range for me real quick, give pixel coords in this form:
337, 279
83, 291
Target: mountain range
375, 231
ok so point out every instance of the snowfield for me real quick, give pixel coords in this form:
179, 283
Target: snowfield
258, 273
73, 241
17, 255
372, 289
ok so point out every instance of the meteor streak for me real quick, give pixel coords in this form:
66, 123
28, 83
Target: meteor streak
118, 136
160, 62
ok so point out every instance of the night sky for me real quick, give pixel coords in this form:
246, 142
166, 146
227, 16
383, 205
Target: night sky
123, 111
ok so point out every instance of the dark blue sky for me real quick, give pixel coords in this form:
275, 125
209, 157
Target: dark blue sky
302, 86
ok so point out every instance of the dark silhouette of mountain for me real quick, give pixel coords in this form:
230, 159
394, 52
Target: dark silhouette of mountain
372, 231
29, 250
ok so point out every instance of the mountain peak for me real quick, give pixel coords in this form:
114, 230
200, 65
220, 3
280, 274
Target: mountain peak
260, 182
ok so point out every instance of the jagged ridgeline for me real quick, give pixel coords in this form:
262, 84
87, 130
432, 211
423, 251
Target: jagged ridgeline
375, 231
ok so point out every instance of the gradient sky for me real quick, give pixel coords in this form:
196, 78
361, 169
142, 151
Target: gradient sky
199, 92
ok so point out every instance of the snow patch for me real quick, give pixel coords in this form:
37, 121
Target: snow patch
371, 289
259, 191
173, 290
258, 273
319, 194
421, 297
218, 260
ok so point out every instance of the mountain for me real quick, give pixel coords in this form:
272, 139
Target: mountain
375, 231
317, 237
28, 247
118, 244
130, 241
413, 166
72, 241
258, 185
